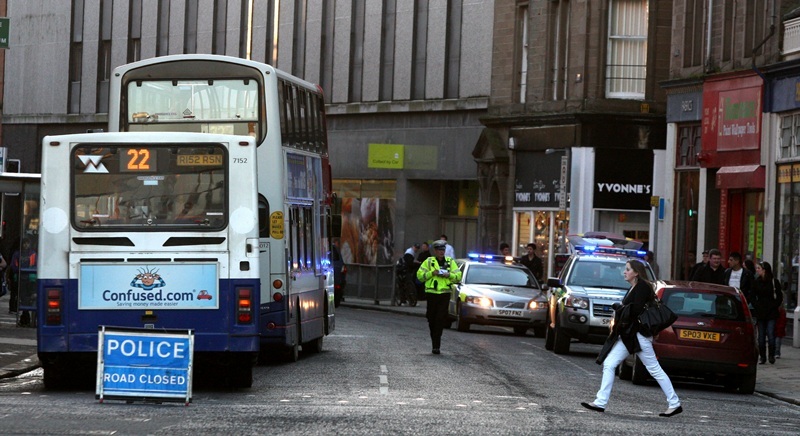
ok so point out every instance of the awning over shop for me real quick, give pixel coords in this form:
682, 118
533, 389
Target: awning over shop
741, 177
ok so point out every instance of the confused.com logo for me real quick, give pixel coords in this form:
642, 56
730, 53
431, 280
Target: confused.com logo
92, 164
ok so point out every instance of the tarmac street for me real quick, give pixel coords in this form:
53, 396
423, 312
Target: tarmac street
18, 350
780, 381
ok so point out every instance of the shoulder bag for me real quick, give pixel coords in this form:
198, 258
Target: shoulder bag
656, 317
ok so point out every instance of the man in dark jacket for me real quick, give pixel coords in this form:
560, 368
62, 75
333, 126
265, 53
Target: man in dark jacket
739, 277
533, 262
713, 272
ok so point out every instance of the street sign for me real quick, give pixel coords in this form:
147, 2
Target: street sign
144, 364
4, 23
562, 202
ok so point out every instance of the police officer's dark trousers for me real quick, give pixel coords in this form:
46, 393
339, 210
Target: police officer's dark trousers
437, 316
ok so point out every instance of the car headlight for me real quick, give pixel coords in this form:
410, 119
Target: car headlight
537, 304
480, 301
578, 302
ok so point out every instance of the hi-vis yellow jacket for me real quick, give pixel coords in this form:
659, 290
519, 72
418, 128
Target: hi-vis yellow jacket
437, 284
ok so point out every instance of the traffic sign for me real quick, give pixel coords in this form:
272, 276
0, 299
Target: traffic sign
4, 23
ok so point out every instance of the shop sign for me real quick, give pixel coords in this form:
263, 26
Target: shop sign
538, 180
732, 114
623, 179
784, 173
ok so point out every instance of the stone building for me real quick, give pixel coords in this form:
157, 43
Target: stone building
406, 78
575, 131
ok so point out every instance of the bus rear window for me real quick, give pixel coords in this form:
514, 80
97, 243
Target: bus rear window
161, 187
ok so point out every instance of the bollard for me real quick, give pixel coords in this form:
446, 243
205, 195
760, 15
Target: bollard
796, 328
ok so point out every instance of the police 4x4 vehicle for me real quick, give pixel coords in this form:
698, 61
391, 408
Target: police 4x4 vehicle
495, 290
588, 285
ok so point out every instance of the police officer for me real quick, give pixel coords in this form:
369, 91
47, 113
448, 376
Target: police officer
438, 272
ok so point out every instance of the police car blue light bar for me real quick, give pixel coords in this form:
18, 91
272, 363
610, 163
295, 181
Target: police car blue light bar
589, 249
481, 257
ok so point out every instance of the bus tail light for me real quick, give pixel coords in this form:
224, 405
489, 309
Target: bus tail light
54, 306
244, 306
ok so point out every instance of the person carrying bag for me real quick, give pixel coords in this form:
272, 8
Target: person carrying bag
625, 339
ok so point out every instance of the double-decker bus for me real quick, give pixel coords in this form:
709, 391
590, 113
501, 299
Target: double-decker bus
286, 117
153, 230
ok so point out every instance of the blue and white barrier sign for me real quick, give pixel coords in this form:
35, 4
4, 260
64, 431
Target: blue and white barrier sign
144, 364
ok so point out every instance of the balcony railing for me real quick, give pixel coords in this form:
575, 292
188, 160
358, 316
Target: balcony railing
791, 38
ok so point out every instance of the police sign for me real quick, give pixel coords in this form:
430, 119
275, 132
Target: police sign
144, 364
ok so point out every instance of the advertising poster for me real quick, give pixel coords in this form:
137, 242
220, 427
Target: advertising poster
148, 286
367, 231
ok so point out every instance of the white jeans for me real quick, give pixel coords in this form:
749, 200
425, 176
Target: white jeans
648, 357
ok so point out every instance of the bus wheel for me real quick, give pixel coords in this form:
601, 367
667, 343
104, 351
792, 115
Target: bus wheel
314, 346
240, 375
53, 377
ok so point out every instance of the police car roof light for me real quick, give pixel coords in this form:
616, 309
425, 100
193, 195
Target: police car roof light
590, 249
481, 257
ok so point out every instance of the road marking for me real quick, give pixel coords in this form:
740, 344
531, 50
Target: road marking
384, 380
15, 341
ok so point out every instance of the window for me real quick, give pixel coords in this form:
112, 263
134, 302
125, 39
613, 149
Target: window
689, 144
76, 58
299, 45
190, 29
452, 68
790, 136
104, 57
162, 28
693, 34
626, 68
220, 26
356, 50
387, 50
419, 51
521, 55
135, 31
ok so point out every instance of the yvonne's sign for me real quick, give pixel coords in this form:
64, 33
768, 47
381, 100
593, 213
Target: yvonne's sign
623, 179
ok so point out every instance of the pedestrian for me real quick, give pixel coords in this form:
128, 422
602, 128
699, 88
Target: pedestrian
625, 339
699, 265
408, 285
505, 249
22, 261
533, 262
449, 251
767, 298
650, 257
438, 272
737, 276
688, 265
712, 272
424, 253
780, 330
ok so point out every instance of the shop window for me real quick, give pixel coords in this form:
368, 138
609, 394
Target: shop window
790, 136
689, 145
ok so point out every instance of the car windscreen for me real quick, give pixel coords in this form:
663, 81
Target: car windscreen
599, 274
499, 275
699, 304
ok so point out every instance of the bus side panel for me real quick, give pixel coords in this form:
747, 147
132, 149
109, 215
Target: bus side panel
216, 330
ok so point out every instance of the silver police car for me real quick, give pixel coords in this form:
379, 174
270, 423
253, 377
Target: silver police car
494, 290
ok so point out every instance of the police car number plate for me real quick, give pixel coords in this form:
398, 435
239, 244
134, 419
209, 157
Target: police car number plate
506, 312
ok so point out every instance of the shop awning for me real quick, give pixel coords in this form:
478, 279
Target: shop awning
741, 177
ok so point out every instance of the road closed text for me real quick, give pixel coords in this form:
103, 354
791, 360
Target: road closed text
145, 379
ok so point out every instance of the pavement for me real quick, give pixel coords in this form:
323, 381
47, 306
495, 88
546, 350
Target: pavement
780, 381
18, 350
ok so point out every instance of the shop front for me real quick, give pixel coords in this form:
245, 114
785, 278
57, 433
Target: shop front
539, 217
731, 140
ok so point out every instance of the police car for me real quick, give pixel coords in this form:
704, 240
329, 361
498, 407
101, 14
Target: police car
589, 283
494, 290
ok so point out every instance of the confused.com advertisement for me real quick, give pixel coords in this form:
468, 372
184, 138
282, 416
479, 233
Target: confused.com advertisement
149, 286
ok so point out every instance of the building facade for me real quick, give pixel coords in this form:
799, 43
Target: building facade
722, 140
576, 131
406, 82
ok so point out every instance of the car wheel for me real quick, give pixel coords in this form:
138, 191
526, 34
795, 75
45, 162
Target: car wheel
549, 337
625, 371
539, 332
747, 384
520, 331
639, 373
561, 341
463, 326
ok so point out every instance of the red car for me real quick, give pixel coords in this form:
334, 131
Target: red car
712, 341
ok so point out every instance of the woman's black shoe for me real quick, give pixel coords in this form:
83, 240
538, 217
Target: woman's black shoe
763, 360
592, 406
672, 411
436, 351
772, 360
